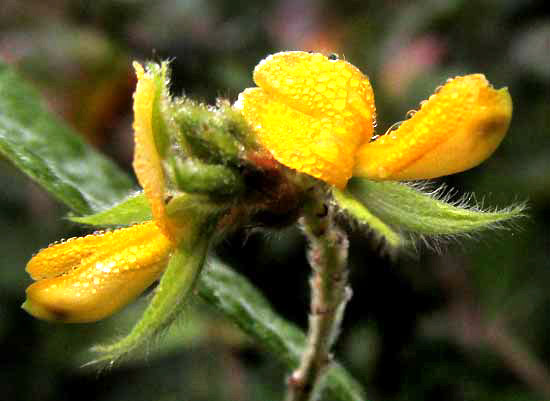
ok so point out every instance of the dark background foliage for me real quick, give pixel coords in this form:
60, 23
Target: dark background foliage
467, 323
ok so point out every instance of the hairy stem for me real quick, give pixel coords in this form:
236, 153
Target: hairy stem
329, 295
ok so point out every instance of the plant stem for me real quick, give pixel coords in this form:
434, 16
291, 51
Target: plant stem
329, 295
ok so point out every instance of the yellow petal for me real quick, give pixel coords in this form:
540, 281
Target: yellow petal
147, 163
456, 129
104, 273
65, 256
311, 113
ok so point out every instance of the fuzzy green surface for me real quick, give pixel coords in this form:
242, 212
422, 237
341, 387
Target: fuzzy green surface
410, 209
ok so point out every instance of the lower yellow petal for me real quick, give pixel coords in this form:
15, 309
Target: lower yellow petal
456, 129
125, 263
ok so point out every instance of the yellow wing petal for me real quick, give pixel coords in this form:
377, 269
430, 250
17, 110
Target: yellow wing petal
311, 113
95, 285
456, 129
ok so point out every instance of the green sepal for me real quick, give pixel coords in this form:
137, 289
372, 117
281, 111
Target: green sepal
235, 124
169, 299
196, 209
132, 210
160, 107
361, 214
194, 176
406, 207
205, 131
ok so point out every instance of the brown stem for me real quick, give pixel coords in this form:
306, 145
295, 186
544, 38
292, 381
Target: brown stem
329, 295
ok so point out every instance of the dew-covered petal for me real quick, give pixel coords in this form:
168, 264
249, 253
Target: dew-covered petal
96, 283
459, 127
315, 146
310, 112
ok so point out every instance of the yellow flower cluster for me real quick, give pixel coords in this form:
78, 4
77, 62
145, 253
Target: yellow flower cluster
315, 114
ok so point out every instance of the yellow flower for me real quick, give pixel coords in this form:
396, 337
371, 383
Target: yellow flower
316, 113
89, 278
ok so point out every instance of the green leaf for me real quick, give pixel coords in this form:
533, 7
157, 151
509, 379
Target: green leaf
362, 215
242, 303
170, 297
48, 151
134, 209
406, 207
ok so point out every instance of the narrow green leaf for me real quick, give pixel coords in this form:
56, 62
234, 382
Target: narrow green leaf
362, 215
170, 295
132, 210
48, 151
242, 303
406, 207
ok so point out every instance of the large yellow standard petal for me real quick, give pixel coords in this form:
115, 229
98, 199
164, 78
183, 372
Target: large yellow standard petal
311, 112
89, 278
456, 129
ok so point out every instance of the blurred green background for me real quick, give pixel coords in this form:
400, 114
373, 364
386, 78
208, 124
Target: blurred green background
467, 323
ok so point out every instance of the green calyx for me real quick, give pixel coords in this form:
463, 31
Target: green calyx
203, 149
195, 176
205, 131
211, 153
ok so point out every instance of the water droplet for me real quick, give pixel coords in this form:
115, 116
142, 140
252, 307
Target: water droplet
393, 127
410, 113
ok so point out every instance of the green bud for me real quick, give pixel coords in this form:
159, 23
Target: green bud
205, 132
235, 124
